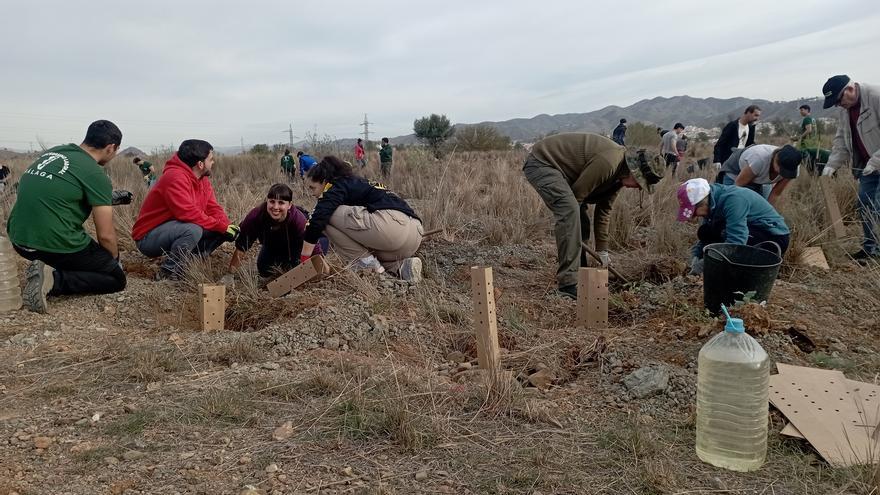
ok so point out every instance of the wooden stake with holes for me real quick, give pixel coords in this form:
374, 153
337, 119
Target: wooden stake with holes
592, 301
212, 306
831, 207
485, 320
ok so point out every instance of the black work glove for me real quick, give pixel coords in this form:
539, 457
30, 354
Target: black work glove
120, 197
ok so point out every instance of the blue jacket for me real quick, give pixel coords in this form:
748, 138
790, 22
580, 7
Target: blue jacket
305, 163
741, 210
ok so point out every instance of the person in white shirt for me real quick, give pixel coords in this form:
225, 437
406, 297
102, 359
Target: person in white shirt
763, 168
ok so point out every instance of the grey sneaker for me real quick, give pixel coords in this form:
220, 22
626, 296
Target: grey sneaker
369, 263
40, 281
411, 270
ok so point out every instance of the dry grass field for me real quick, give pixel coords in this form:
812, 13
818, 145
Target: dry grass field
361, 385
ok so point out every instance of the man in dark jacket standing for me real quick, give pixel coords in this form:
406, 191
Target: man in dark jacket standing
619, 133
738, 133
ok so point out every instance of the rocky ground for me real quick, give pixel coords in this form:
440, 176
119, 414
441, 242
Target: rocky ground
368, 385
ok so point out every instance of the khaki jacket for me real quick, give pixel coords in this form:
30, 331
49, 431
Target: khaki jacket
593, 166
868, 127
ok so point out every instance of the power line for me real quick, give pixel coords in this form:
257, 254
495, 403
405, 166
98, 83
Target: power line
366, 125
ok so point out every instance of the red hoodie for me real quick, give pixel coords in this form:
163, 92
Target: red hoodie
180, 195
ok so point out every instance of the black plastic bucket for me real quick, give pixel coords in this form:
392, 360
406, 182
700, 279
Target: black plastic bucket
730, 271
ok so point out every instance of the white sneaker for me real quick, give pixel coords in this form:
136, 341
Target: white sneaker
40, 280
369, 263
411, 270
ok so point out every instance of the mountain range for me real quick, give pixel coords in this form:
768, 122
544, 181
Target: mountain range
660, 111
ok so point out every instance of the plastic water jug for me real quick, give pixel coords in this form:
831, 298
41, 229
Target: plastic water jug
733, 376
10, 292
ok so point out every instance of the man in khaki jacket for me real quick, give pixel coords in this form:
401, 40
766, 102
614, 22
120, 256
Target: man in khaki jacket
572, 170
858, 142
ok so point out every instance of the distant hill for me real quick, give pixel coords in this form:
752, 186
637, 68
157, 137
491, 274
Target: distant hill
660, 111
131, 152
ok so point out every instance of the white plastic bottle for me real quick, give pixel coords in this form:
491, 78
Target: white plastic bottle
10, 292
733, 376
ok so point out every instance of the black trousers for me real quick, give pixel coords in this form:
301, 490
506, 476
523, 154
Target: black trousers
709, 234
90, 271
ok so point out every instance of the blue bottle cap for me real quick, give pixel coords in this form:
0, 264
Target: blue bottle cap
734, 325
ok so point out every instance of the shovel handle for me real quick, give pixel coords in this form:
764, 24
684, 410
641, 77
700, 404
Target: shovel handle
611, 269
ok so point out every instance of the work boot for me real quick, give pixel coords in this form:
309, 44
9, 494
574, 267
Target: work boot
861, 256
569, 291
411, 270
164, 274
40, 280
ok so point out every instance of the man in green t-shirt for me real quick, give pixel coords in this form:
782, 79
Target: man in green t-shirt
809, 136
147, 171
385, 159
288, 165
56, 194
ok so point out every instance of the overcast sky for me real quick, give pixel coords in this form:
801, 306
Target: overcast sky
230, 70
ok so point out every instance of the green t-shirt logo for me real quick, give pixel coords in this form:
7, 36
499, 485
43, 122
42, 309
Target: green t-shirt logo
37, 168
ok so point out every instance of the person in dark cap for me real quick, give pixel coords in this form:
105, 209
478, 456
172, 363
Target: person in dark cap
619, 133
763, 168
858, 142
573, 170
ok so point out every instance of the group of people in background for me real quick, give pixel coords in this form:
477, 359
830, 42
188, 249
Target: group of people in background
574, 170
375, 230
307, 161
180, 219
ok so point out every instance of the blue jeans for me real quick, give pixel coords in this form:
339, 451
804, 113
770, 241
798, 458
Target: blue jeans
179, 241
867, 206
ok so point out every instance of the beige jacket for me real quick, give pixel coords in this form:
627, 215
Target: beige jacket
868, 127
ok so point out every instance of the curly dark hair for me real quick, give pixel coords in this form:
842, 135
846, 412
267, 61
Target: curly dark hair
330, 169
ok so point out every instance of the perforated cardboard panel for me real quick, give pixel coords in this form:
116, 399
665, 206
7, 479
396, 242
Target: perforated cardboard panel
814, 256
297, 276
823, 408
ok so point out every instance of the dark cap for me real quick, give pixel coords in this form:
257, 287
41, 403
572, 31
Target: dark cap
789, 159
678, 125
623, 121
833, 88
646, 168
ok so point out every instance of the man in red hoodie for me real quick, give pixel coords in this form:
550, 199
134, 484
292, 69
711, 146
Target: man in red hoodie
180, 216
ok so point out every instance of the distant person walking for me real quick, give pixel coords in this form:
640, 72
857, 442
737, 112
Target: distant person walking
5, 175
669, 146
858, 142
288, 166
385, 158
360, 155
738, 133
306, 162
619, 133
147, 171
809, 136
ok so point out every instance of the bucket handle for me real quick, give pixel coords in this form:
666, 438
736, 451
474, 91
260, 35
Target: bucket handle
778, 249
719, 253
